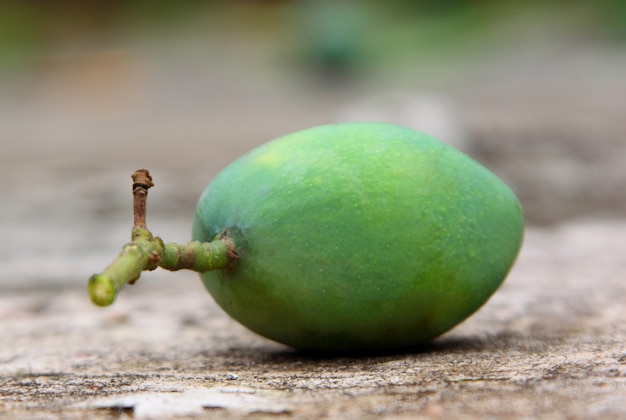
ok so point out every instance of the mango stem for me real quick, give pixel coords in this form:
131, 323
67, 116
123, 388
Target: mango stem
146, 252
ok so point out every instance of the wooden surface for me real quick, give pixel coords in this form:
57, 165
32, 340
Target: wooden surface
549, 344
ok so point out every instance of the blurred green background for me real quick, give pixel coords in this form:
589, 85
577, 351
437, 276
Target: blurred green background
339, 38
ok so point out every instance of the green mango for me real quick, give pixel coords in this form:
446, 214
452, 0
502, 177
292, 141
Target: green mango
358, 236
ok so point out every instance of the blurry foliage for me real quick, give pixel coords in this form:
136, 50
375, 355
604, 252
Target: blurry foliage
20, 32
332, 36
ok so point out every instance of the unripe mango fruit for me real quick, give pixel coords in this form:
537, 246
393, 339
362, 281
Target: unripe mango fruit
358, 236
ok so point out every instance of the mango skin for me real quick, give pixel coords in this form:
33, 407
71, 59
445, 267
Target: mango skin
358, 236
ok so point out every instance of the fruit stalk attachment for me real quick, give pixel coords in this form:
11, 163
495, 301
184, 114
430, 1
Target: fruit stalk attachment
146, 252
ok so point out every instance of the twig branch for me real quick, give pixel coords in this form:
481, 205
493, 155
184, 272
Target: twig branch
146, 252
142, 182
